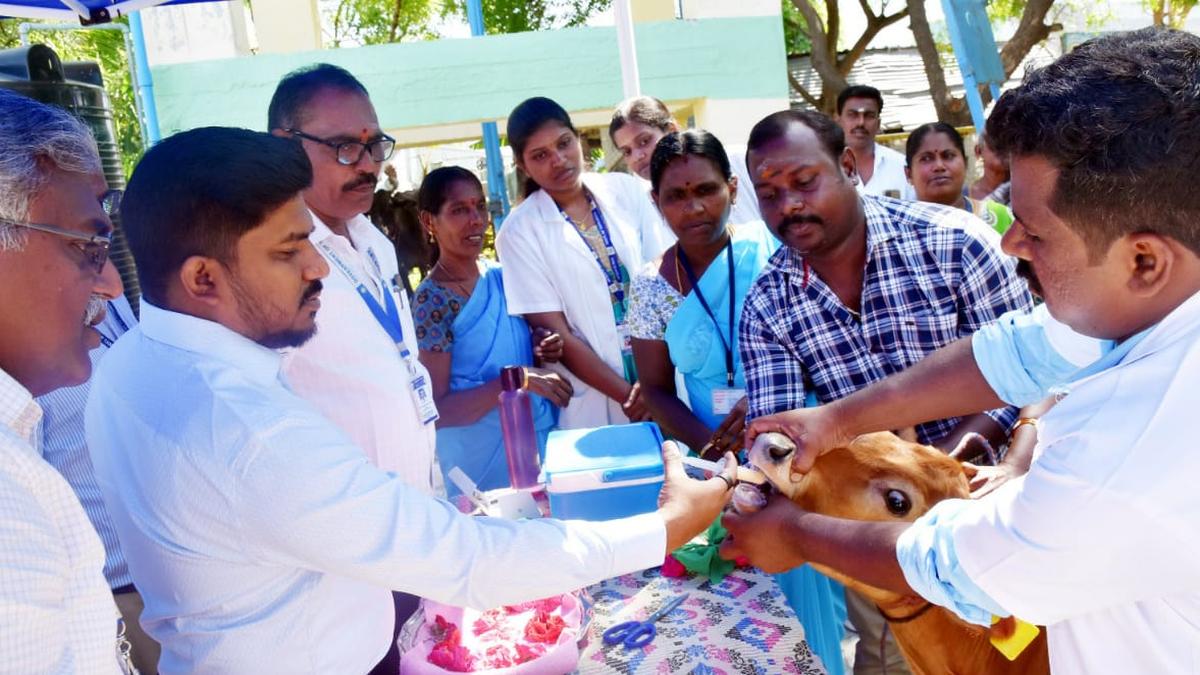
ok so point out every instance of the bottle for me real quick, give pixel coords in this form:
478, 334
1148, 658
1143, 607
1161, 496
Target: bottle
516, 427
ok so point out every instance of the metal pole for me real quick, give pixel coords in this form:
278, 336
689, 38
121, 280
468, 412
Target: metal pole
498, 197
145, 81
627, 46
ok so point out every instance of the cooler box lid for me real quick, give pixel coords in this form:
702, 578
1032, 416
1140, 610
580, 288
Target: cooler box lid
614, 456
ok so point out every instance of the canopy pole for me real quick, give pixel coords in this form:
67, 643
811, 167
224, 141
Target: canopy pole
145, 81
498, 191
627, 46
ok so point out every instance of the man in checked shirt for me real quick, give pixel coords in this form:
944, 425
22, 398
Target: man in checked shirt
862, 288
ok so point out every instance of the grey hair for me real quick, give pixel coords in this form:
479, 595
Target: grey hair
36, 139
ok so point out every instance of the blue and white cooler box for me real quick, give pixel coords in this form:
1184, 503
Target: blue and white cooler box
604, 473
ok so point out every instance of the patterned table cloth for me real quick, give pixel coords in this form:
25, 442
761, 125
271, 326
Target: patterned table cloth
742, 625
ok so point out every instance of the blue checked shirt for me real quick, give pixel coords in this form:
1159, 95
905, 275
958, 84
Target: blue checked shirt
933, 275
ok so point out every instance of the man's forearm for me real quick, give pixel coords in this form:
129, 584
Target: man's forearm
947, 383
865, 551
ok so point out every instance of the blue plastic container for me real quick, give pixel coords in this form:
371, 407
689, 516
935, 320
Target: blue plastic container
604, 473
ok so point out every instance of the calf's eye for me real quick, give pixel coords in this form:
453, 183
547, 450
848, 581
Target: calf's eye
897, 502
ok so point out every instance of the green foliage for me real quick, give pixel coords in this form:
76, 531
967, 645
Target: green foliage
795, 30
372, 22
518, 16
106, 47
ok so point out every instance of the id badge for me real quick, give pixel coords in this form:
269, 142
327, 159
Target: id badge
422, 393
626, 339
725, 398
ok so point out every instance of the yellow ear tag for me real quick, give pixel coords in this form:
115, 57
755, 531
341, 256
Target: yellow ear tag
1012, 646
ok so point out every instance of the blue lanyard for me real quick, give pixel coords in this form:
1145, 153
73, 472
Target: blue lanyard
728, 346
614, 280
388, 315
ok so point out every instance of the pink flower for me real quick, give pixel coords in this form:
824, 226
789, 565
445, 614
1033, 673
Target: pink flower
454, 658
528, 652
672, 567
545, 605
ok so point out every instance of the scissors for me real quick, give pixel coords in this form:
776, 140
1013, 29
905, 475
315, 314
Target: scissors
636, 634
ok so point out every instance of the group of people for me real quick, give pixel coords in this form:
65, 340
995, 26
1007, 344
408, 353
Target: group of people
258, 453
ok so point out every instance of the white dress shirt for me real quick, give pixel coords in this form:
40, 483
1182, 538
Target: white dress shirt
548, 268
56, 611
1100, 541
260, 535
888, 175
351, 370
65, 447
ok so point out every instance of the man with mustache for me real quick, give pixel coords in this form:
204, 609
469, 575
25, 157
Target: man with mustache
56, 609
880, 169
261, 537
863, 287
1099, 540
361, 368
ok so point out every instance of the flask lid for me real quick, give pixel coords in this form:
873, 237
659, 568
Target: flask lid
512, 378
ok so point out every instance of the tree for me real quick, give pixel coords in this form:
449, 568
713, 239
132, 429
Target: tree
1031, 30
518, 16
374, 22
820, 25
1170, 13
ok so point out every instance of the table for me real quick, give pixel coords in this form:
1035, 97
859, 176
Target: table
741, 625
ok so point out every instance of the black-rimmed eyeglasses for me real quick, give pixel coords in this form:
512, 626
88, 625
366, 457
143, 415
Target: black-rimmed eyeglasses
350, 153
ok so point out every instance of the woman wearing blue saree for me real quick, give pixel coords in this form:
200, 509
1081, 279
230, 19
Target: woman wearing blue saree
684, 311
466, 335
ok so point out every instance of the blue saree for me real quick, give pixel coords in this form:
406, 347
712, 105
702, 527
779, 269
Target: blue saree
698, 353
486, 339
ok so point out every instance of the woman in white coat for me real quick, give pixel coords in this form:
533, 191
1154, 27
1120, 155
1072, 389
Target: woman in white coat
568, 251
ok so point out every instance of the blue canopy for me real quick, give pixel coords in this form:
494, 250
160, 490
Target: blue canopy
87, 11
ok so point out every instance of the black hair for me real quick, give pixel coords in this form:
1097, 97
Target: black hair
1119, 117
645, 110
676, 144
775, 125
859, 91
432, 194
199, 191
298, 87
525, 120
917, 137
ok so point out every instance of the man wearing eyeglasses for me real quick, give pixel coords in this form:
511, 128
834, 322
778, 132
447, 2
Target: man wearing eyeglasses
360, 369
56, 611
880, 169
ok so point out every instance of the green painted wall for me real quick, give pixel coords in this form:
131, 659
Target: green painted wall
446, 81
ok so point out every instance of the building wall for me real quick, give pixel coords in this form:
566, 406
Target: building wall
430, 92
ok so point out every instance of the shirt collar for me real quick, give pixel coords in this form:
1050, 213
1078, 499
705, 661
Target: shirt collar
18, 411
549, 211
354, 226
210, 339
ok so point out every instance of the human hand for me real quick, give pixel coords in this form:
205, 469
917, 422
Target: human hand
815, 431
547, 345
762, 536
728, 433
689, 506
984, 480
634, 405
549, 385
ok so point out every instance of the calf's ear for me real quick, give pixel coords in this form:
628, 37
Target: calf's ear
969, 470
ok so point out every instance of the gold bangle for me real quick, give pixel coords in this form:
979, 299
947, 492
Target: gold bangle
1032, 421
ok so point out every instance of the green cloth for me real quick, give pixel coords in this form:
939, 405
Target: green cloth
699, 556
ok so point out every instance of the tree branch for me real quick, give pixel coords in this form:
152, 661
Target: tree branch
825, 66
846, 63
803, 91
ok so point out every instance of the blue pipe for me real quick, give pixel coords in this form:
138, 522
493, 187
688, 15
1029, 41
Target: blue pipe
145, 81
491, 137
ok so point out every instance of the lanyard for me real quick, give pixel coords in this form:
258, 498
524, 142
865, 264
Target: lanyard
112, 311
727, 346
613, 279
387, 315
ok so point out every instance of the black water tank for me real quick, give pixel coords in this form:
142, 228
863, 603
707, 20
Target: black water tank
37, 72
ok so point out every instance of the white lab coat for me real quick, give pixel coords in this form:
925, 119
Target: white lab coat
1100, 541
548, 268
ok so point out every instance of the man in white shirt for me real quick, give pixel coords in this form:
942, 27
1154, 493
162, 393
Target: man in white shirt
258, 532
360, 369
1099, 541
56, 612
880, 169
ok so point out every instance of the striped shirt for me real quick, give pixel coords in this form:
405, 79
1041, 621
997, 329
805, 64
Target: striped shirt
56, 612
65, 448
933, 275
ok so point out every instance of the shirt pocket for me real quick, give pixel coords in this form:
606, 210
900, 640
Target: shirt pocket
907, 338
